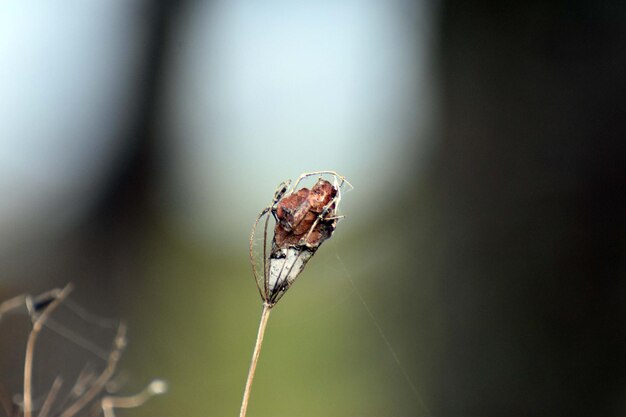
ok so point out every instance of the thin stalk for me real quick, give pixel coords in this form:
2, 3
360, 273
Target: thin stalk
38, 324
265, 314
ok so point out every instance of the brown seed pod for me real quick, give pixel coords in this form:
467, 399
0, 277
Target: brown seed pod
305, 218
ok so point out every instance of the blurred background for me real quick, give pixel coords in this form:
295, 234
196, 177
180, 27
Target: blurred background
485, 233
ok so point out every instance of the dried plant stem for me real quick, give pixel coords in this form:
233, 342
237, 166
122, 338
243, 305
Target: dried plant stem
38, 324
119, 343
265, 314
52, 394
110, 403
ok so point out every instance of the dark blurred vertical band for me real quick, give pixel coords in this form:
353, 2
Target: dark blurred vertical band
531, 180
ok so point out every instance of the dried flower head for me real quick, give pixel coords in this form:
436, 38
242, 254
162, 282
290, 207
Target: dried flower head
305, 218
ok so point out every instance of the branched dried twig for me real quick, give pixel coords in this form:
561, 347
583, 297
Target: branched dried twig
98, 386
89, 385
38, 323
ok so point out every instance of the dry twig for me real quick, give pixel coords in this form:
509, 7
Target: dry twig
38, 323
89, 385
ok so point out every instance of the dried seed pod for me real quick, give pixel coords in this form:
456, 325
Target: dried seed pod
304, 220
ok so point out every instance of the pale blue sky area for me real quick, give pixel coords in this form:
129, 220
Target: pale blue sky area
257, 92
265, 91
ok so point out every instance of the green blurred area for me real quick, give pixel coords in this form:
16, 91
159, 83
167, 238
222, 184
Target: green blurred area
323, 354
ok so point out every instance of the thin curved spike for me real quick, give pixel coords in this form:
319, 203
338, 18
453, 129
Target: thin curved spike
278, 195
266, 265
252, 261
310, 174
